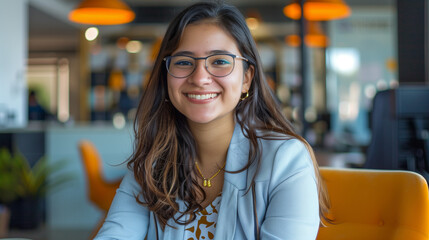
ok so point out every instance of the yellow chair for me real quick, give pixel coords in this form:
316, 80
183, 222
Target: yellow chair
100, 191
376, 205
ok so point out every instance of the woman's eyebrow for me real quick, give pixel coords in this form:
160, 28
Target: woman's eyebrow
181, 53
189, 53
219, 52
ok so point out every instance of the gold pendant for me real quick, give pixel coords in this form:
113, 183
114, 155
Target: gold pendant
209, 184
205, 183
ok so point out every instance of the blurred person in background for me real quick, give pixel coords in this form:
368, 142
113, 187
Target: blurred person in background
35, 110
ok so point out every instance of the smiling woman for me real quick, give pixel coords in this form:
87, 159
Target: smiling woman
214, 157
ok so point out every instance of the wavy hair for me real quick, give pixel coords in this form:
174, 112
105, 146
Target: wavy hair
165, 149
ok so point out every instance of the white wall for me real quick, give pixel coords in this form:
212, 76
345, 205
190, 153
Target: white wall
13, 57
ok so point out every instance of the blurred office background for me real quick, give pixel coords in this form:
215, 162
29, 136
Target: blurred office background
62, 82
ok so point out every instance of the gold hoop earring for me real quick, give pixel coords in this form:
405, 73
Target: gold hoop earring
247, 95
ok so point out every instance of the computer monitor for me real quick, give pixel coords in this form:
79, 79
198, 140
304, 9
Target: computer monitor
400, 130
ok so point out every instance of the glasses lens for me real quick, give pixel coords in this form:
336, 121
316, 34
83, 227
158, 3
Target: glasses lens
220, 65
217, 65
180, 66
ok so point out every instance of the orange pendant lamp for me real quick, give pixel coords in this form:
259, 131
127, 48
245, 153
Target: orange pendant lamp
102, 12
318, 10
314, 38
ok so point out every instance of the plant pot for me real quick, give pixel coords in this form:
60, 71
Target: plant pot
4, 220
25, 213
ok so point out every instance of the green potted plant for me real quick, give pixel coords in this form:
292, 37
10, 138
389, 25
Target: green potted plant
23, 187
7, 194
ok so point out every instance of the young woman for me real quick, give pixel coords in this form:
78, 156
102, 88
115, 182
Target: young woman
214, 157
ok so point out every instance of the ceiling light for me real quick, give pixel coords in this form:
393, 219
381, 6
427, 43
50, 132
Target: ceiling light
252, 23
314, 38
134, 46
102, 12
91, 33
318, 10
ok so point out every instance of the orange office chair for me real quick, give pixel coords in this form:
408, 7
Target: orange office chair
376, 205
100, 191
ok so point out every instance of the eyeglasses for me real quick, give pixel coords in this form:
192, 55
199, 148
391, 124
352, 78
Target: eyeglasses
218, 65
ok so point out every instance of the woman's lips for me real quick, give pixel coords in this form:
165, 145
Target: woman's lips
201, 97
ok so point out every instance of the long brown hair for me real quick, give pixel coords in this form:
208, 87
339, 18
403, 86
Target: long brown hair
165, 149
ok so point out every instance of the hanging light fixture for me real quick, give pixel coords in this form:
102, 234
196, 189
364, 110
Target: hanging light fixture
253, 19
318, 10
102, 12
314, 38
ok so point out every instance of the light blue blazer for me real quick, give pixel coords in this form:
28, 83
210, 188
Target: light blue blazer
286, 198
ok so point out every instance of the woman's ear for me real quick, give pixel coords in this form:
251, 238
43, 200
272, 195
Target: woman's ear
248, 77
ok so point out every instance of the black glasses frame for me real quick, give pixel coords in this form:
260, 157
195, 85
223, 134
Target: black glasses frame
168, 59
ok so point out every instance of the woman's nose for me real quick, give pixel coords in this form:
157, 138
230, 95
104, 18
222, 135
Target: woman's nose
200, 76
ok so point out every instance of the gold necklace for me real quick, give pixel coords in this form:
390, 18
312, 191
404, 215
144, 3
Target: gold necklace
207, 182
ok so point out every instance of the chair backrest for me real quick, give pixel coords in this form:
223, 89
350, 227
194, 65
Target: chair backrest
376, 204
100, 191
399, 123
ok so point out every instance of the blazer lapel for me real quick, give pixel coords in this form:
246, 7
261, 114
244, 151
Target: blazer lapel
226, 220
234, 183
177, 229
236, 159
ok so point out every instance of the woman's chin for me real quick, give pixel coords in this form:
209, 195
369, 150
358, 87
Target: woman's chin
211, 118
200, 120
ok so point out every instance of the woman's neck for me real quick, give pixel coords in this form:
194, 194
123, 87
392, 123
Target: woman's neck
213, 140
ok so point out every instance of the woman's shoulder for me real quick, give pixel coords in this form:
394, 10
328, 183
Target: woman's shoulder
283, 150
129, 184
282, 157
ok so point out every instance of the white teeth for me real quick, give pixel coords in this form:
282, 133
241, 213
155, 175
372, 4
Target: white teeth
203, 96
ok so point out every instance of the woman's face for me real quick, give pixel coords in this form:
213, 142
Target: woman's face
202, 97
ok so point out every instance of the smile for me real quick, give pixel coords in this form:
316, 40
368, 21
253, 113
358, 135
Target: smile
202, 96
